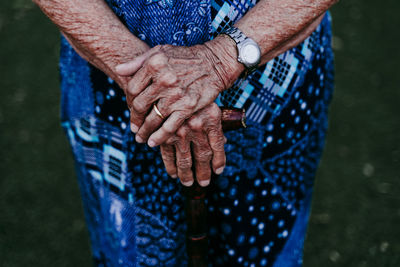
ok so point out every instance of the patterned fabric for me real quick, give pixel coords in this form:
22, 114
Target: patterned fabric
259, 206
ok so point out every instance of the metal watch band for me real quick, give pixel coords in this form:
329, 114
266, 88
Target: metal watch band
236, 35
243, 41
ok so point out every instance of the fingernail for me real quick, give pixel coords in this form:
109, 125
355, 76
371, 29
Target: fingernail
174, 176
134, 128
188, 183
151, 143
139, 139
204, 183
219, 170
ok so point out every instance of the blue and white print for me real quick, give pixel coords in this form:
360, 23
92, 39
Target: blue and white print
259, 207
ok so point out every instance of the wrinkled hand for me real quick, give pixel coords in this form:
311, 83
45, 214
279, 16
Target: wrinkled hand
180, 80
199, 142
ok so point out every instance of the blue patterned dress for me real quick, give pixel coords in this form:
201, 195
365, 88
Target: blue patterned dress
259, 206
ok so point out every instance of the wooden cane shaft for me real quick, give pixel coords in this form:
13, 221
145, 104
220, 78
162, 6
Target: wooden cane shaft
195, 206
195, 209
197, 228
197, 249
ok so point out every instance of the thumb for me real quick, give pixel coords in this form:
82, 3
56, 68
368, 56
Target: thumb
131, 67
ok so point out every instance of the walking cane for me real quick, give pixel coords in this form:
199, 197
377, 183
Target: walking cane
195, 206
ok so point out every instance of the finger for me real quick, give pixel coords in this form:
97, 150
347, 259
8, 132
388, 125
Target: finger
140, 107
216, 140
184, 162
137, 84
144, 101
129, 68
202, 155
151, 123
155, 66
169, 127
168, 157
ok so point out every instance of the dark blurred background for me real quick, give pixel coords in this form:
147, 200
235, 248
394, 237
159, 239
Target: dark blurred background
355, 218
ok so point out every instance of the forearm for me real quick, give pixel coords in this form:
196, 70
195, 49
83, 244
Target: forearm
272, 22
95, 32
276, 25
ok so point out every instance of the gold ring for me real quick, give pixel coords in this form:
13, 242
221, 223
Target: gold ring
158, 111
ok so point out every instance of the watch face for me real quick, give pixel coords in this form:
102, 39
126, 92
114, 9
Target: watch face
250, 54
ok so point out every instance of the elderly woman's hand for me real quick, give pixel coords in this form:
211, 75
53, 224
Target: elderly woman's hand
180, 81
199, 137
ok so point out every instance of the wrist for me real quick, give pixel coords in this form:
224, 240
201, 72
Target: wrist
228, 67
129, 51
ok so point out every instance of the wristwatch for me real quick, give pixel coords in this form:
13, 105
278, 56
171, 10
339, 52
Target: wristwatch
249, 53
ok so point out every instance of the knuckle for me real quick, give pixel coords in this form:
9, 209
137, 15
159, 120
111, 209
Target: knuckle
167, 153
167, 156
178, 92
157, 61
215, 130
191, 102
134, 118
182, 132
184, 163
139, 106
195, 124
171, 141
167, 129
215, 112
169, 78
218, 145
204, 156
131, 91
214, 107
175, 94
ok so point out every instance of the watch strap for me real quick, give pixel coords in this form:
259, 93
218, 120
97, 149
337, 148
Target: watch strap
236, 35
240, 39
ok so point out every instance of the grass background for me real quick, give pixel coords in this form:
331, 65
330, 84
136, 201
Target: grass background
355, 218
